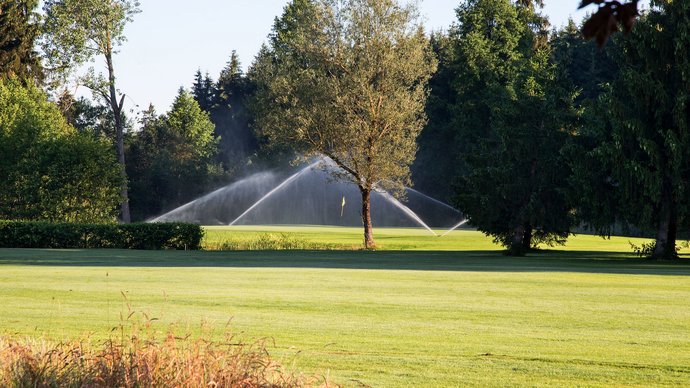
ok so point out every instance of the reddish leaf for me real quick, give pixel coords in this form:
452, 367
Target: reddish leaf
585, 3
601, 25
626, 15
605, 21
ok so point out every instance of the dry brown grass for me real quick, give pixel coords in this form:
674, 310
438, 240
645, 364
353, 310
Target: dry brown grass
139, 359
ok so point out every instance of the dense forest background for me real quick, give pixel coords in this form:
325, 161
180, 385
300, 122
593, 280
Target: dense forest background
531, 131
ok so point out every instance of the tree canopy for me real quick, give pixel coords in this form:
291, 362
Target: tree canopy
347, 80
639, 131
19, 30
172, 158
76, 31
50, 171
511, 115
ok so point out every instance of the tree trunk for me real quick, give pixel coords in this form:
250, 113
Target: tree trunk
366, 218
516, 248
665, 245
119, 139
527, 238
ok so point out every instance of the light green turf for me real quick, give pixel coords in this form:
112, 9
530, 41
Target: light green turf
586, 315
405, 238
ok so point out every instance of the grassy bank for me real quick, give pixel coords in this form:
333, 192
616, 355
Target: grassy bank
395, 238
589, 314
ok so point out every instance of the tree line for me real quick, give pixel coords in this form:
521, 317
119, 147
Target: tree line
530, 131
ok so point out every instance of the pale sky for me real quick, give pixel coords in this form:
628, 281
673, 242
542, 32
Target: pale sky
170, 39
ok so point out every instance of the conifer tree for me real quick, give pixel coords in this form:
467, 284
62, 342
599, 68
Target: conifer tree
642, 127
231, 116
18, 33
512, 116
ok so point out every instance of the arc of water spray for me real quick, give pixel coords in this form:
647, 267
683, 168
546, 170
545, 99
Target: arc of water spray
406, 210
459, 224
187, 205
285, 182
432, 199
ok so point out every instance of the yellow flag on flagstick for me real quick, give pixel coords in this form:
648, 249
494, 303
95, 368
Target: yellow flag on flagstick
342, 207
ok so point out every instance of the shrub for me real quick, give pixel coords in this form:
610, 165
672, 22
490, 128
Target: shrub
30, 234
143, 362
49, 171
272, 242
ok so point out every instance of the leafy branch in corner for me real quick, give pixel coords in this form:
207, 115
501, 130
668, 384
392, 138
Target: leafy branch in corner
606, 20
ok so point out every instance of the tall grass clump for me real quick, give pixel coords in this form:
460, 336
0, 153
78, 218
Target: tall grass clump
138, 358
271, 242
141, 363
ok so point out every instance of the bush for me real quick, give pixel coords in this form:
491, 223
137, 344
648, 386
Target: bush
143, 362
28, 234
272, 242
49, 171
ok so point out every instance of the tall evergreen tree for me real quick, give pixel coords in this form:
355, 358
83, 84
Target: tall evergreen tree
437, 158
18, 32
172, 157
203, 91
231, 116
642, 129
512, 116
583, 65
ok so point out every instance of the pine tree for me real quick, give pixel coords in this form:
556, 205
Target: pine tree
231, 116
582, 64
18, 32
642, 126
512, 116
437, 158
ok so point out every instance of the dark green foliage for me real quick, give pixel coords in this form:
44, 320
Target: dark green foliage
513, 116
49, 171
25, 234
582, 64
640, 133
87, 117
226, 102
437, 159
18, 33
172, 158
203, 91
231, 116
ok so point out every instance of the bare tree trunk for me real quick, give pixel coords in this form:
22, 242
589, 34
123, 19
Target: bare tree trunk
119, 138
517, 241
527, 238
665, 245
366, 218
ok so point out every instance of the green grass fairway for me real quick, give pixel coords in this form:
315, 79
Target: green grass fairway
589, 314
406, 238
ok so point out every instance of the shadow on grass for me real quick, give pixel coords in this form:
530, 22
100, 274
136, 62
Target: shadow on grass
484, 261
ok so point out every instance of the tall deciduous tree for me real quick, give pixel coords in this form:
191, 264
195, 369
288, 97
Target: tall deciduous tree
50, 171
76, 31
642, 134
512, 116
19, 30
347, 80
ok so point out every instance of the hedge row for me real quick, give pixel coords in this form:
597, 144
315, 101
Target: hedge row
29, 234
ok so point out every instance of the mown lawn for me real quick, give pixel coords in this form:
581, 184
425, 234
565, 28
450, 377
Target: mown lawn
585, 315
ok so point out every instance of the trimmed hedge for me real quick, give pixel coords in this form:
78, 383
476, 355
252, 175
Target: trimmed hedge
30, 234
